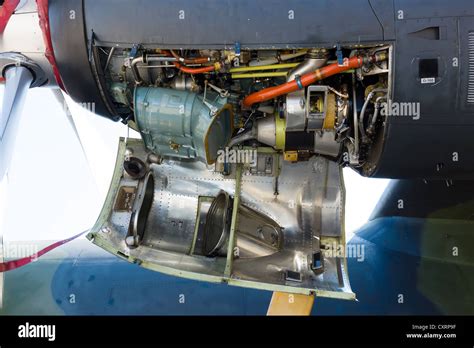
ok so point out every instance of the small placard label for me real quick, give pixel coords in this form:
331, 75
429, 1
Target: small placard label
428, 80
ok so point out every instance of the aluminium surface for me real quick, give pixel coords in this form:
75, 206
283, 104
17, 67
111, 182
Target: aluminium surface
308, 206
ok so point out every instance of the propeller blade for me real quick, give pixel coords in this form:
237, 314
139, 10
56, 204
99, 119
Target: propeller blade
18, 81
6, 11
60, 98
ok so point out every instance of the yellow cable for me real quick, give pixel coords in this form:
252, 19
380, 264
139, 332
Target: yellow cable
257, 75
264, 67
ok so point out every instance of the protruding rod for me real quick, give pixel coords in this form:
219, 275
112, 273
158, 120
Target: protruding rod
18, 81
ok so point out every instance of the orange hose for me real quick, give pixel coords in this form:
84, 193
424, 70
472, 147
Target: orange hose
306, 79
199, 60
193, 71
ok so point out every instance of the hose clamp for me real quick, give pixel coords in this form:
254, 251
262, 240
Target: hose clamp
298, 81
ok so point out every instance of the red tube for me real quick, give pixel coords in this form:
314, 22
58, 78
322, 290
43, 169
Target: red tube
193, 71
307, 79
199, 60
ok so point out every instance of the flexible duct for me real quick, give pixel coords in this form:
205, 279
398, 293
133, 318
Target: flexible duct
304, 81
295, 102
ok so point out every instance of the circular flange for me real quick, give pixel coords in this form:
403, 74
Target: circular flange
9, 59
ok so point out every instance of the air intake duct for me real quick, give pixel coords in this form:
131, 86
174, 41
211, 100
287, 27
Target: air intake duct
256, 234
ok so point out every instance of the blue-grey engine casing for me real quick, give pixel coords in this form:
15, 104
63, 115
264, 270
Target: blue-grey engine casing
181, 124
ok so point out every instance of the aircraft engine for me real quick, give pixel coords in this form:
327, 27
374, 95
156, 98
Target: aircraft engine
237, 176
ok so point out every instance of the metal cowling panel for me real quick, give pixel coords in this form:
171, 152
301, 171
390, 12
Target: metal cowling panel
211, 23
70, 46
